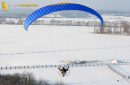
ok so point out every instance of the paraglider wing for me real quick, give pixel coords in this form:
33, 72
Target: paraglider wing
58, 7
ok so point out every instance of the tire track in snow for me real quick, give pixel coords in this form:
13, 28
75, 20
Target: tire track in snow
62, 50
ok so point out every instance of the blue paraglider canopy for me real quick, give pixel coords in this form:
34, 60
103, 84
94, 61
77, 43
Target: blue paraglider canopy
58, 7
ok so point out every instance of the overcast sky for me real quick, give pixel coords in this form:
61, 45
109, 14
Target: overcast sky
119, 5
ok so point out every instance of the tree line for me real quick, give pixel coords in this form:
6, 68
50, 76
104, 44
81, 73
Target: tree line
22, 79
122, 27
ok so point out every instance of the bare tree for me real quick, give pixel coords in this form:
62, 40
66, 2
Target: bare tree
125, 27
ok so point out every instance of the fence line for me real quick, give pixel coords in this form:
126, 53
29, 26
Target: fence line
56, 66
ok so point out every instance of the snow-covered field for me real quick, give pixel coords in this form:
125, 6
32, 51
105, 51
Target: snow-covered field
51, 44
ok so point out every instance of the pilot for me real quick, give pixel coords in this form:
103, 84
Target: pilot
63, 70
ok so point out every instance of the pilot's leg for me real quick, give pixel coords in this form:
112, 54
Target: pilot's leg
63, 74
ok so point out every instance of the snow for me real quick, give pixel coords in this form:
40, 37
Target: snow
64, 43
119, 71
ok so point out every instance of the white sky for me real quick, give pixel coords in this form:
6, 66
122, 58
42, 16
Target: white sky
117, 5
